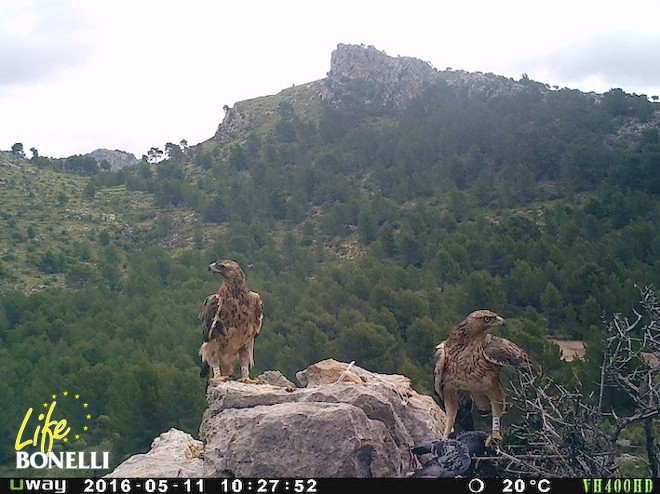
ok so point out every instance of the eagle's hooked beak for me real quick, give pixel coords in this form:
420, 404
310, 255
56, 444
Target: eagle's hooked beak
215, 267
492, 321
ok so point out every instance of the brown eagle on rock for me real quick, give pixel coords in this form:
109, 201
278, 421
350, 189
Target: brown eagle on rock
468, 365
231, 320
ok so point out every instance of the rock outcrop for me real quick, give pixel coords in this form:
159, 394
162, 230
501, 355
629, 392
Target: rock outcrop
343, 422
172, 454
118, 159
393, 80
233, 124
378, 78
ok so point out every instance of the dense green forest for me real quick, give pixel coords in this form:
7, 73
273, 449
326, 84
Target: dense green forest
369, 231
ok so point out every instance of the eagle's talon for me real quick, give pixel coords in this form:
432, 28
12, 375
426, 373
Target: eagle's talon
495, 437
247, 380
220, 379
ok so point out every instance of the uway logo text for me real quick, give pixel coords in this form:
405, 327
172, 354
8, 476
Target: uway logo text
57, 486
49, 429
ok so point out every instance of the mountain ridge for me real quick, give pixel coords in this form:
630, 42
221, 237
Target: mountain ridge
394, 82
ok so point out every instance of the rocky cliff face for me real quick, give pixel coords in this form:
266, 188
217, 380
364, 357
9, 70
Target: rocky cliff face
233, 124
342, 421
394, 80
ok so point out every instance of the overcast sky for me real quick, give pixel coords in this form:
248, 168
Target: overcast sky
77, 75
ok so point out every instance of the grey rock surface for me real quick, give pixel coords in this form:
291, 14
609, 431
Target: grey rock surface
346, 422
173, 454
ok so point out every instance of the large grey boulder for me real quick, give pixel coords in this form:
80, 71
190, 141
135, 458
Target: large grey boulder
345, 422
298, 440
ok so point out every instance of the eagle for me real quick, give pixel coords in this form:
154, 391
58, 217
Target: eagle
468, 365
231, 320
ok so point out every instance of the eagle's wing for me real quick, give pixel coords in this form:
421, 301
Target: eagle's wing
208, 314
257, 315
500, 351
464, 399
439, 370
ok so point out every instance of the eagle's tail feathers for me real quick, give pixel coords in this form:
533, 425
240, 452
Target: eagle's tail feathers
204, 371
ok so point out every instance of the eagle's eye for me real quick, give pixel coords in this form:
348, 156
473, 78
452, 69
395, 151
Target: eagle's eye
487, 319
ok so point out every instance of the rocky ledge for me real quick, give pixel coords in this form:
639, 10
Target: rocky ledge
340, 421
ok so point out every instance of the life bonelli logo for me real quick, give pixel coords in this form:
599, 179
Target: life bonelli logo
43, 427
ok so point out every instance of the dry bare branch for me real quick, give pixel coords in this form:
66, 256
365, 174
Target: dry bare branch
568, 433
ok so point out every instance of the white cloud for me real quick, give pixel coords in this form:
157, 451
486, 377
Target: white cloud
622, 58
39, 40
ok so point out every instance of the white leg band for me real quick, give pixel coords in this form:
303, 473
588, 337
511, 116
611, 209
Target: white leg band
496, 423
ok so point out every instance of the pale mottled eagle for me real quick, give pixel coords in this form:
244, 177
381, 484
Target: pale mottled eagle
468, 365
231, 320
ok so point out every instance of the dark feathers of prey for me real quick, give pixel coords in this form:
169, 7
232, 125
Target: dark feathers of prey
452, 457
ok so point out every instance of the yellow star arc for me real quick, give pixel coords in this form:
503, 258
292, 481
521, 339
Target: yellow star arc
85, 405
